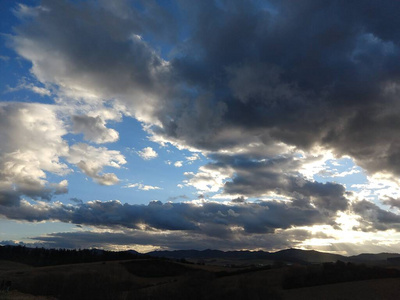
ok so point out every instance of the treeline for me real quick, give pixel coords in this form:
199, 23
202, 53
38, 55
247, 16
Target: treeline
39, 257
328, 273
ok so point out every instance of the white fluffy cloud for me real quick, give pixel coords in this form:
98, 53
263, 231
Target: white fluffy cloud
147, 153
207, 179
92, 160
68, 62
31, 145
178, 164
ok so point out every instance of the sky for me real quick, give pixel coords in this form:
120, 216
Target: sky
231, 125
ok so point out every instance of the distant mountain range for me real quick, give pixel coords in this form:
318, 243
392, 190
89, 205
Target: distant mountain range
288, 255
45, 257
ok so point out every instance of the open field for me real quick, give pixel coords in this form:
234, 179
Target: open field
378, 289
165, 279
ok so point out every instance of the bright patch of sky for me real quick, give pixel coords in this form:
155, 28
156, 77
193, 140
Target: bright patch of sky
343, 171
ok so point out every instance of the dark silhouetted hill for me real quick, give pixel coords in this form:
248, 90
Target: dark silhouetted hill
288, 256
98, 274
48, 257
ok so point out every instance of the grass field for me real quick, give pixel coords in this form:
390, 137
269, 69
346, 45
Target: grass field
165, 279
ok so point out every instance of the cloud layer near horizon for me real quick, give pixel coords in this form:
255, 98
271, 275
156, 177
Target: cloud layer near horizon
261, 88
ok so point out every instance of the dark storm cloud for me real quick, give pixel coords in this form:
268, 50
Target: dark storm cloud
240, 199
375, 218
301, 72
31, 189
305, 73
9, 198
210, 218
94, 46
76, 200
258, 177
394, 203
174, 240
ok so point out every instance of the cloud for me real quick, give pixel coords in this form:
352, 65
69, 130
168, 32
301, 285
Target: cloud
147, 153
24, 11
124, 67
328, 172
184, 197
92, 160
193, 157
178, 164
375, 218
261, 217
240, 199
267, 75
142, 187
206, 179
274, 176
32, 144
175, 240
153, 240
258, 95
23, 84
271, 225
94, 129
394, 203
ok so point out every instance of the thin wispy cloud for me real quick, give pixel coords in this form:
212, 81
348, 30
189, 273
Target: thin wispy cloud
142, 187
